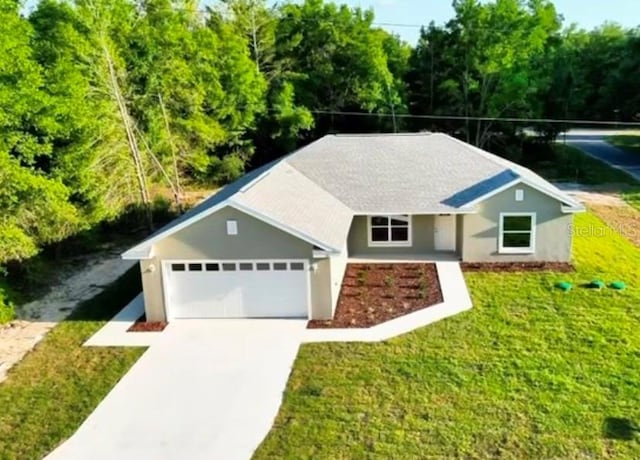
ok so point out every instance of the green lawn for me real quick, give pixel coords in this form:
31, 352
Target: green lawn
49, 393
630, 142
530, 372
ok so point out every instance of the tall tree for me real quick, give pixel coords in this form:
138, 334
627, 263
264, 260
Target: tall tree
494, 46
98, 151
35, 207
195, 89
339, 60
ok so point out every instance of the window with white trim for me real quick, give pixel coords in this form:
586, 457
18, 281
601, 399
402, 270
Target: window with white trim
517, 233
389, 231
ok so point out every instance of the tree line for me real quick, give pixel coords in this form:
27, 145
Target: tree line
103, 102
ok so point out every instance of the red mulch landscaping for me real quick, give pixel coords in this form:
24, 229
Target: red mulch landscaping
374, 293
513, 267
142, 325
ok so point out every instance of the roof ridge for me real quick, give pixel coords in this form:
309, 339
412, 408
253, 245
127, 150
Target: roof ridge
419, 133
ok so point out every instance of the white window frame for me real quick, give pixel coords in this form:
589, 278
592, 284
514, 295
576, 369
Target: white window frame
519, 194
391, 244
532, 246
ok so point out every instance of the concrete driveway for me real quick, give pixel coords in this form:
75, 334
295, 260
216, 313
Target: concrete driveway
593, 143
207, 389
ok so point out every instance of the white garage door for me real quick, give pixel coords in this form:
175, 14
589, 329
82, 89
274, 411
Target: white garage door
237, 289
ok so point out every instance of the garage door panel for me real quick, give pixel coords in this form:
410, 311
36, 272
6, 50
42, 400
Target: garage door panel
238, 289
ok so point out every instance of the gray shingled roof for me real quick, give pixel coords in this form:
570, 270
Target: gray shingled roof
289, 197
317, 190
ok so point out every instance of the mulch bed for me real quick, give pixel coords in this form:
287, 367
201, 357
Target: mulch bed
516, 267
374, 293
142, 325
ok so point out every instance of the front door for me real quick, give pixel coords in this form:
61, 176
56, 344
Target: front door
444, 232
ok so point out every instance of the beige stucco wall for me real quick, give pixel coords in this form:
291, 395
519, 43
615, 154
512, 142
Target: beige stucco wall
553, 228
422, 238
152, 290
320, 290
208, 239
326, 282
338, 265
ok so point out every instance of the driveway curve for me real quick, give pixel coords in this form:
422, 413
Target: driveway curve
205, 390
594, 144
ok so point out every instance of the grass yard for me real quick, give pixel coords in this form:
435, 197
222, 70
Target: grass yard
49, 393
530, 372
630, 142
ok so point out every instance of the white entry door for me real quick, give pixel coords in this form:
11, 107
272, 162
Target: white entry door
445, 233
236, 289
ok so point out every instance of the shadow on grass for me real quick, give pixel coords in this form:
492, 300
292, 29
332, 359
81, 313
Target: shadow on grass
622, 429
114, 298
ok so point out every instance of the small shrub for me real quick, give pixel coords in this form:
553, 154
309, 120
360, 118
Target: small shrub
389, 281
362, 278
423, 288
7, 311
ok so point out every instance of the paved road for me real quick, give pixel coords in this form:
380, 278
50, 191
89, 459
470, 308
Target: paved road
593, 143
206, 390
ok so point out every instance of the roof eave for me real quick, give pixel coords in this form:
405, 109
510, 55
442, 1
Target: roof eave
573, 209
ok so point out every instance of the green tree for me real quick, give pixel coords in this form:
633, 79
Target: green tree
97, 154
486, 58
35, 207
337, 60
196, 91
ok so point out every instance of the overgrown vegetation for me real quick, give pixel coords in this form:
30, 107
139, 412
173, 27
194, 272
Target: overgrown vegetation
7, 310
629, 142
104, 100
530, 372
55, 387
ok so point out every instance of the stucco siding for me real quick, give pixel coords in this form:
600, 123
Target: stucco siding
338, 267
208, 239
152, 290
321, 307
326, 282
553, 238
422, 238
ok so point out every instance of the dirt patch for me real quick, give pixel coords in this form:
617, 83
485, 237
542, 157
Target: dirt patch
86, 278
517, 267
142, 325
622, 220
597, 195
374, 293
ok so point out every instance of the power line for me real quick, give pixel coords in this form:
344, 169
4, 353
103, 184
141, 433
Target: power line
465, 118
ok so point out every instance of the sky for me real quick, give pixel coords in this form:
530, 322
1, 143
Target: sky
586, 13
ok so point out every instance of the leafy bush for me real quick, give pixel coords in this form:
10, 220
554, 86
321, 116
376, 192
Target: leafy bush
7, 312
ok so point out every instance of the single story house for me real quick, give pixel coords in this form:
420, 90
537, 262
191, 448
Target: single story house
276, 242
